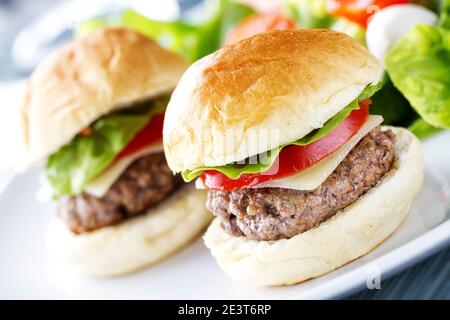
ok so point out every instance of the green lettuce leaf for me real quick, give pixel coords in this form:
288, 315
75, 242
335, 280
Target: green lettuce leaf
350, 28
418, 65
444, 17
87, 26
178, 36
262, 163
392, 105
309, 13
423, 129
85, 157
191, 40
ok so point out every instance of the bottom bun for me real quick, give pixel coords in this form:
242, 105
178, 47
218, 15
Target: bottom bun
136, 243
349, 234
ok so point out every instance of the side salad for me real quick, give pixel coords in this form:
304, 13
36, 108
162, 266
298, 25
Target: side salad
415, 91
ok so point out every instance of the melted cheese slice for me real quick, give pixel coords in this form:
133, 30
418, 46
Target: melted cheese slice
314, 176
101, 184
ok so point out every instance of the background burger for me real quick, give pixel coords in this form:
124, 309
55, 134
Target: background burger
93, 111
326, 189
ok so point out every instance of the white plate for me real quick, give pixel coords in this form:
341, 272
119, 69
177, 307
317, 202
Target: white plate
26, 272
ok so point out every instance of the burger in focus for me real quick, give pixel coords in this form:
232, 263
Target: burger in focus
301, 178
93, 112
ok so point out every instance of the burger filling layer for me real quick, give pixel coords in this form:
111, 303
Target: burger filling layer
277, 213
145, 183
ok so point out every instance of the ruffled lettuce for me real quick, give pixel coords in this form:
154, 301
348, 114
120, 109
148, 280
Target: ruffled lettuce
418, 65
309, 13
422, 129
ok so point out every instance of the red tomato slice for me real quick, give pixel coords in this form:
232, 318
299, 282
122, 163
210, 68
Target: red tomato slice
293, 159
257, 24
359, 11
149, 134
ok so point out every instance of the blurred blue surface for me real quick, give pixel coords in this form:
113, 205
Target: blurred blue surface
429, 279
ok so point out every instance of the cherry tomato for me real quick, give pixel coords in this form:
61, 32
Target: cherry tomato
293, 159
152, 132
257, 24
359, 11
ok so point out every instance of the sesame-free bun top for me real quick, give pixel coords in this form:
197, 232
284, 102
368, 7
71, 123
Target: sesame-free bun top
278, 86
106, 70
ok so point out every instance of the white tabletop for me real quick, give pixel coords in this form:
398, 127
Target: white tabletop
9, 96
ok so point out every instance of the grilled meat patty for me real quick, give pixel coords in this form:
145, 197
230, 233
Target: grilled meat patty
145, 183
276, 213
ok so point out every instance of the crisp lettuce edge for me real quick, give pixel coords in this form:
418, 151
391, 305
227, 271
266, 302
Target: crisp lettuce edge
234, 172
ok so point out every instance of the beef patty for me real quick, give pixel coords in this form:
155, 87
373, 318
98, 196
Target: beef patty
276, 213
145, 183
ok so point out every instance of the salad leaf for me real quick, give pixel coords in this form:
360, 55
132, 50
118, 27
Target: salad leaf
90, 25
228, 14
85, 157
392, 105
423, 129
260, 163
192, 40
178, 36
418, 65
350, 28
309, 13
314, 14
444, 18
369, 91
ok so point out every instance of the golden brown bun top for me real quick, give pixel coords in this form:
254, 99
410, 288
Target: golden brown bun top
288, 82
108, 69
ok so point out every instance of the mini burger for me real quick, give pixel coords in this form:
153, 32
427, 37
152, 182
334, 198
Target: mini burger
301, 177
93, 111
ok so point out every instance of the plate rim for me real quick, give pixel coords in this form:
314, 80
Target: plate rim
389, 264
